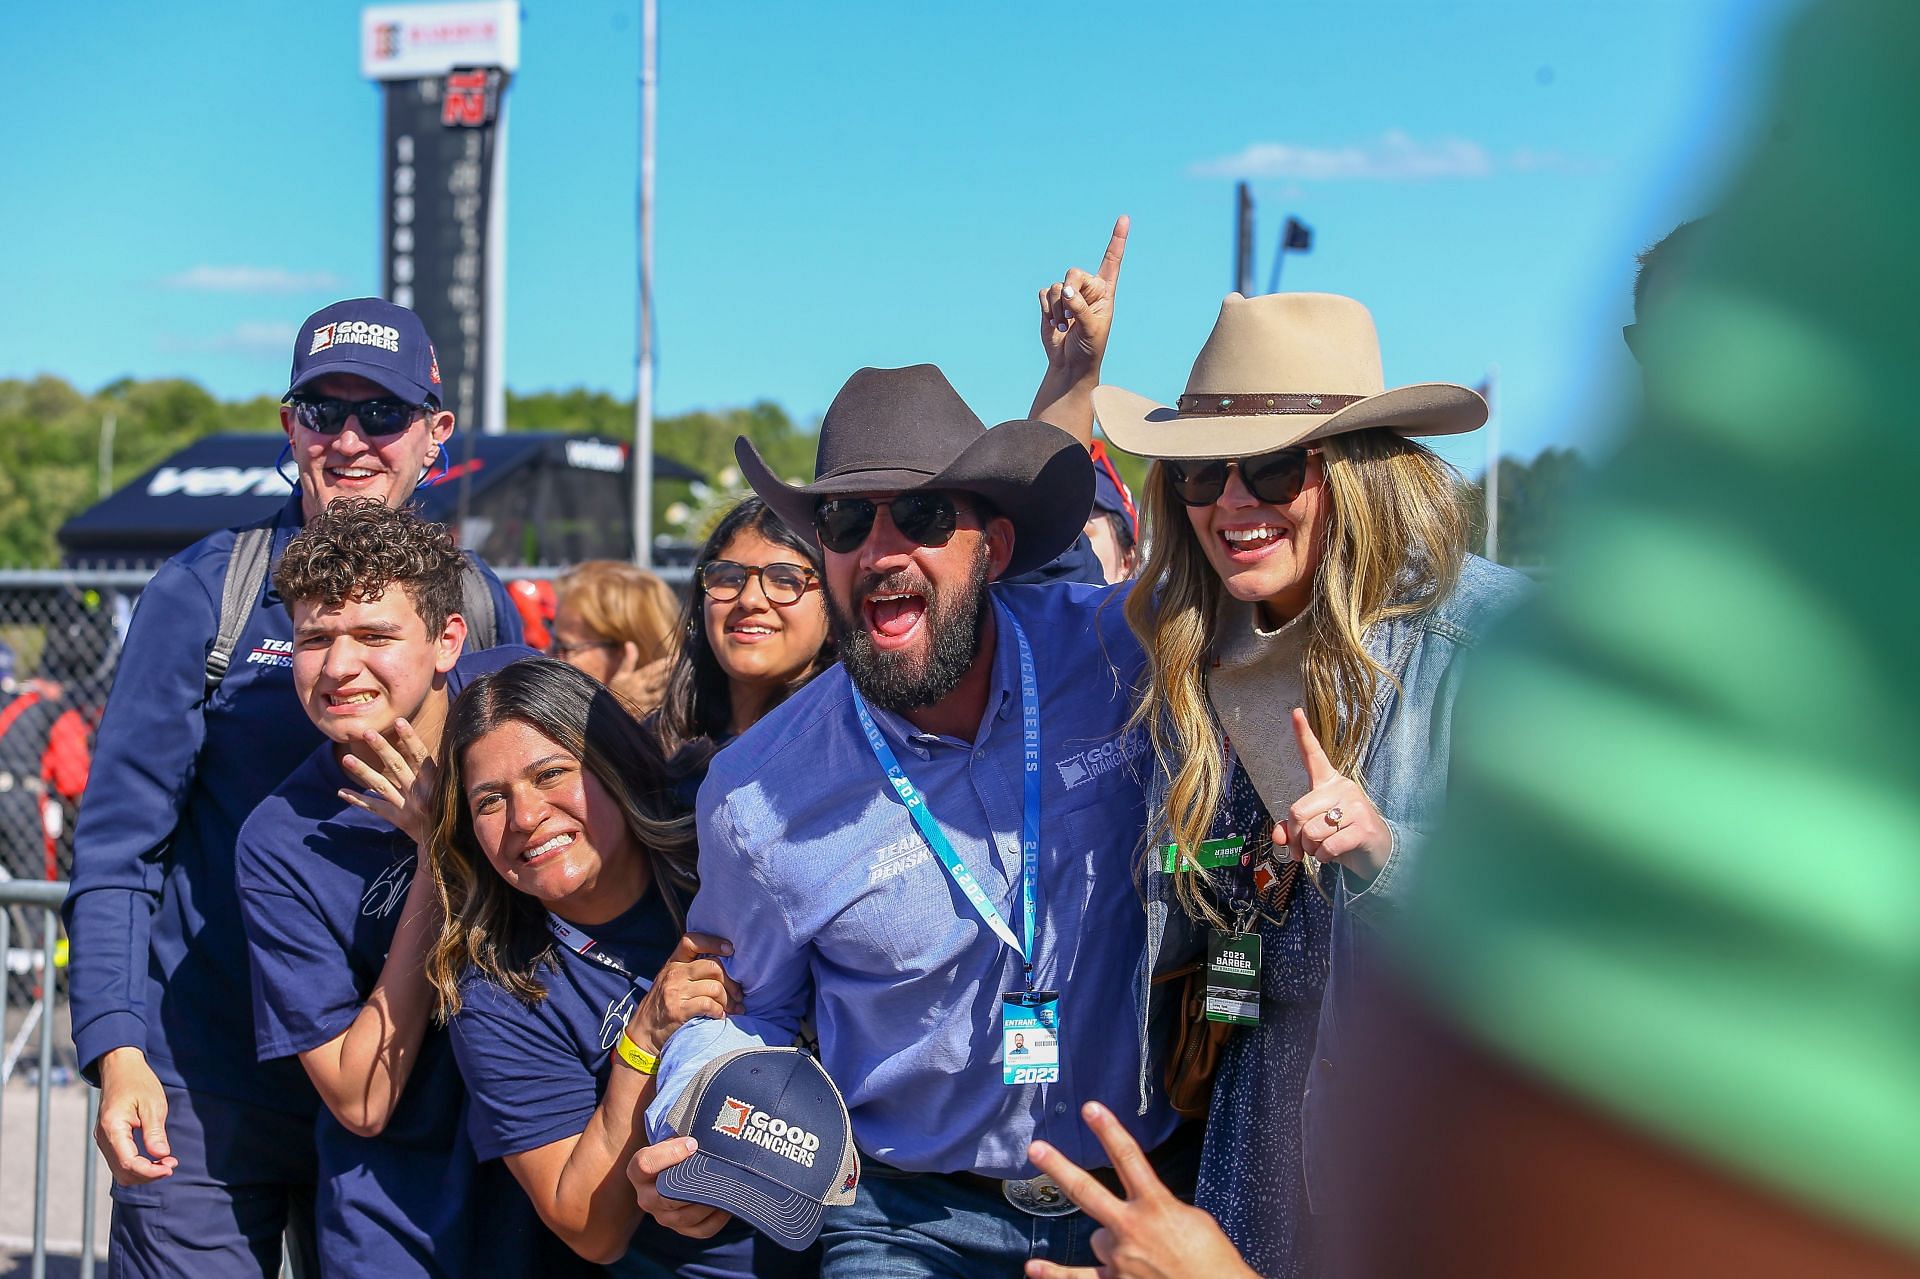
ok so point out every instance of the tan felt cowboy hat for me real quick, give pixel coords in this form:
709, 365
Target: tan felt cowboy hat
1281, 370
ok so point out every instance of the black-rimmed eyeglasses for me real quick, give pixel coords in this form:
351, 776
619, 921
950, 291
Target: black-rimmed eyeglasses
724, 580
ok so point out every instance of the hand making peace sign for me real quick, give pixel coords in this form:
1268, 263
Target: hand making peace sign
1334, 821
1147, 1235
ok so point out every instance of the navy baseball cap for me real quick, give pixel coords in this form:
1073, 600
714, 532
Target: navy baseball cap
379, 340
776, 1146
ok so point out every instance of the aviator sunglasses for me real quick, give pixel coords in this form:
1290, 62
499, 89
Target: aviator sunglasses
325, 415
782, 583
927, 519
1274, 478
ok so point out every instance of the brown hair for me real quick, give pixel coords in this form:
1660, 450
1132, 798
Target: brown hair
487, 927
623, 604
1396, 536
358, 547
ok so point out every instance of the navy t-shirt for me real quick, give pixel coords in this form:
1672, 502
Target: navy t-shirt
321, 886
535, 1075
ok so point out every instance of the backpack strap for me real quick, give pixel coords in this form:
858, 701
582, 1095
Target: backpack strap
247, 565
476, 605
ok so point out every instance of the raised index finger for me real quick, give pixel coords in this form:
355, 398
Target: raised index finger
1116, 250
1320, 769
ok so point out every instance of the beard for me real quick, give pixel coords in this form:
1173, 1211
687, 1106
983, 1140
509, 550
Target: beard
908, 679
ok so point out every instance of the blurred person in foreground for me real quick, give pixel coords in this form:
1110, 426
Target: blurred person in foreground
559, 963
1658, 1011
618, 623
755, 631
1669, 1036
211, 1151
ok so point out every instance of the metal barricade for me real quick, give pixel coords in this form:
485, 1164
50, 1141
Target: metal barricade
29, 903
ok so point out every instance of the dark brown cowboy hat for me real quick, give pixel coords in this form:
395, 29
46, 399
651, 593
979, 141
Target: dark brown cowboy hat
891, 430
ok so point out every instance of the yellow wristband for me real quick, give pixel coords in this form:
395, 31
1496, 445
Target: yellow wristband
634, 1055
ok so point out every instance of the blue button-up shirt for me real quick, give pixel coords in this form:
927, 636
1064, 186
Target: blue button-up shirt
835, 905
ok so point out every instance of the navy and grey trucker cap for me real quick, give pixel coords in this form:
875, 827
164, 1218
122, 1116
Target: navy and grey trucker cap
776, 1146
379, 340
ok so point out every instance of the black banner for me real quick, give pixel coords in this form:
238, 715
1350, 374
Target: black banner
439, 181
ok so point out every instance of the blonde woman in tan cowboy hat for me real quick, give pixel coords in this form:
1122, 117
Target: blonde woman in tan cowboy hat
1305, 598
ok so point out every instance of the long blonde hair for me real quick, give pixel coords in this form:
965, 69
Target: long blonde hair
1396, 534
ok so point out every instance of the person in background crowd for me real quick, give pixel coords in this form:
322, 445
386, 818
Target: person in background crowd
618, 624
204, 1142
564, 879
1114, 527
536, 600
1659, 269
755, 631
339, 919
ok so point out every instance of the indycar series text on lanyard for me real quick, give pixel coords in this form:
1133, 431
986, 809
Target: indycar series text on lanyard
1030, 1027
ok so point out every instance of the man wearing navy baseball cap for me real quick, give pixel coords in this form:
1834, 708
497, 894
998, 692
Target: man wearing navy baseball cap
212, 1151
372, 361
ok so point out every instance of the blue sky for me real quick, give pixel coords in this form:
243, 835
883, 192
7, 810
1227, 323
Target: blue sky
849, 184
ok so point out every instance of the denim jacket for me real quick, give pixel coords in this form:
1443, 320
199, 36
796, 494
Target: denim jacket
1403, 767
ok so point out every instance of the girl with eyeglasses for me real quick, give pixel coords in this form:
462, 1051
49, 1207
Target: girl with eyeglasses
617, 623
754, 631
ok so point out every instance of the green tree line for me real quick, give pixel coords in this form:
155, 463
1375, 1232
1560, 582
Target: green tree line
52, 464
51, 456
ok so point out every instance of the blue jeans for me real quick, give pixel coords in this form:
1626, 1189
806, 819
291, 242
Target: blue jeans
912, 1225
904, 1225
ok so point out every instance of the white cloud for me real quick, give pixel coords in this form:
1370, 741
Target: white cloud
1395, 156
246, 338
206, 278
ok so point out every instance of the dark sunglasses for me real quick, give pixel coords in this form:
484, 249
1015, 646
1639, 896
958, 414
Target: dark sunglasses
1274, 478
387, 415
724, 580
843, 523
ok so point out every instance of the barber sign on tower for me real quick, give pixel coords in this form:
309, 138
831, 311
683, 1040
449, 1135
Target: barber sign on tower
444, 68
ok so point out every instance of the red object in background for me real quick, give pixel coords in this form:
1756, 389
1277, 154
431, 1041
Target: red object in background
535, 599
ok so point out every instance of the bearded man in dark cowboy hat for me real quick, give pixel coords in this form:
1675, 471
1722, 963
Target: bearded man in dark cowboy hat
928, 848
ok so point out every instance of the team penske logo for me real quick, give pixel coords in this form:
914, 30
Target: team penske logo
357, 333
272, 652
741, 1121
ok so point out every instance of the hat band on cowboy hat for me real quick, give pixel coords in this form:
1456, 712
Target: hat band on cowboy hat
1278, 371
893, 430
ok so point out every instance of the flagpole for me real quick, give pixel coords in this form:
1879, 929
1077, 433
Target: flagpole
643, 374
1492, 483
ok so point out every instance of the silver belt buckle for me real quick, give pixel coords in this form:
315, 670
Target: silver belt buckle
1039, 1196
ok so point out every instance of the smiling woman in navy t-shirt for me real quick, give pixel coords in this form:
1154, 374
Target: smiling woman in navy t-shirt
564, 882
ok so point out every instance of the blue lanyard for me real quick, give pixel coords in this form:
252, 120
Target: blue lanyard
1029, 816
